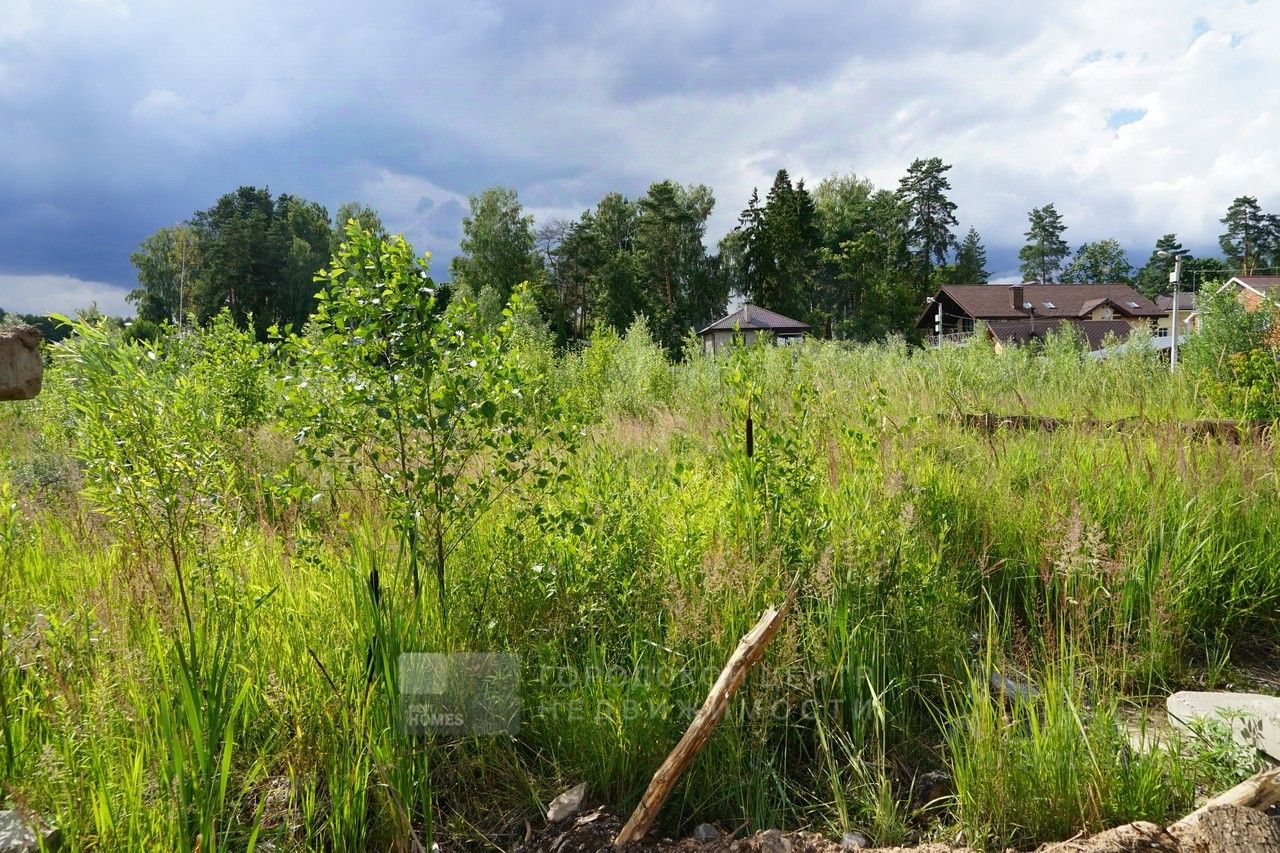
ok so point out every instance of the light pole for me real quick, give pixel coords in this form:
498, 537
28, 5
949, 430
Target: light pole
1176, 254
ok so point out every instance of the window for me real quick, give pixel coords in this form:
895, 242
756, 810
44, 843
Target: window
1050, 305
1132, 304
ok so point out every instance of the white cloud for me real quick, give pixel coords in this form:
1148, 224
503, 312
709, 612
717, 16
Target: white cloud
171, 104
60, 294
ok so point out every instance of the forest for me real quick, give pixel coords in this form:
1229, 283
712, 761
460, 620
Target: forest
854, 261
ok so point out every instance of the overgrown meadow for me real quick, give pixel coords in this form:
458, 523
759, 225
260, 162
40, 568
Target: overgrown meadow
215, 550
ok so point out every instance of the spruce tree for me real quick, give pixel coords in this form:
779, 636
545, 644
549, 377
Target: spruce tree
1045, 250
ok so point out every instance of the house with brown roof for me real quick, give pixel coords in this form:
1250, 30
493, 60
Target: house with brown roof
1255, 291
1021, 313
754, 324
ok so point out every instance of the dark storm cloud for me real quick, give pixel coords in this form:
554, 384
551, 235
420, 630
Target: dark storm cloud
119, 117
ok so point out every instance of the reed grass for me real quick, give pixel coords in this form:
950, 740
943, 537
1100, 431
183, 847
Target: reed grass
1106, 565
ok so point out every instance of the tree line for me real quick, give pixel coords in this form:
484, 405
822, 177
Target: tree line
853, 260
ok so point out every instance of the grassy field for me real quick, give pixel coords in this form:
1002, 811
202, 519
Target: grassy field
188, 654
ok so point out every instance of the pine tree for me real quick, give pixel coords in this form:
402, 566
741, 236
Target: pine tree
1045, 250
1251, 237
1153, 277
971, 260
930, 214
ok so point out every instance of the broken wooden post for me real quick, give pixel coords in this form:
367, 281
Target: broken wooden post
749, 650
1260, 792
21, 365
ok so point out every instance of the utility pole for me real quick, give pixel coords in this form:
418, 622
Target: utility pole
1174, 276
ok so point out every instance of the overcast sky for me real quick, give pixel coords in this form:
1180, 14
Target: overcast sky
120, 116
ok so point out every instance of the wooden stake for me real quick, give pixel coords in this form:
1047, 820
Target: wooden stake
1259, 792
749, 650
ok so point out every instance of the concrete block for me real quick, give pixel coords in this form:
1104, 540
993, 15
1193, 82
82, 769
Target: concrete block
1254, 718
21, 366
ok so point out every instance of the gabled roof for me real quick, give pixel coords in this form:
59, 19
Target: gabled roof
1094, 332
1263, 285
995, 301
753, 317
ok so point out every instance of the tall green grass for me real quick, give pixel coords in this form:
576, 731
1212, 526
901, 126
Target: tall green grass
1104, 564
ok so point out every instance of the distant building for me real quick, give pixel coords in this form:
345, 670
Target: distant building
1255, 291
754, 323
1021, 313
1188, 314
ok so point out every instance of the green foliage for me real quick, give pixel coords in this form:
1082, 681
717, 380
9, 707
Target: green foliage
1100, 262
1045, 250
498, 252
1106, 562
424, 396
1234, 358
930, 214
1252, 238
1028, 767
168, 262
971, 260
780, 242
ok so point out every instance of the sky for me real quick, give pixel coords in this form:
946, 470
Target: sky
121, 116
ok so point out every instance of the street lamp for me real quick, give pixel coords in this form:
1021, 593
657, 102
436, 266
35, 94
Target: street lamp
1176, 254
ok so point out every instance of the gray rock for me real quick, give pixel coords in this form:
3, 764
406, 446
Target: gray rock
1254, 719
854, 841
21, 365
705, 832
1012, 689
928, 788
18, 836
567, 804
773, 841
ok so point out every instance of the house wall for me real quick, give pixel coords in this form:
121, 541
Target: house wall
1253, 302
713, 342
1250, 300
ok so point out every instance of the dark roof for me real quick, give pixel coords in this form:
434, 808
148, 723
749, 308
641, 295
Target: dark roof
1094, 332
1186, 302
754, 317
995, 301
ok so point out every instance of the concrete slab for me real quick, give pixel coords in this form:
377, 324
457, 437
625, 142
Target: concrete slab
21, 365
17, 836
1254, 718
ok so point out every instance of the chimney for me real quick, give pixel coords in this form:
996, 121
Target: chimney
1015, 297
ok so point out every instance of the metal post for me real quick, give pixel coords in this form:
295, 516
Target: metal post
1173, 318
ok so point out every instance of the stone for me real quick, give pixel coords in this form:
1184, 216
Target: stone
567, 804
1226, 829
19, 836
21, 365
1012, 689
705, 832
930, 787
1138, 837
773, 841
854, 841
1254, 718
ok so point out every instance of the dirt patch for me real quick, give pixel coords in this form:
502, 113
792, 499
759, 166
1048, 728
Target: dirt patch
594, 831
1218, 830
